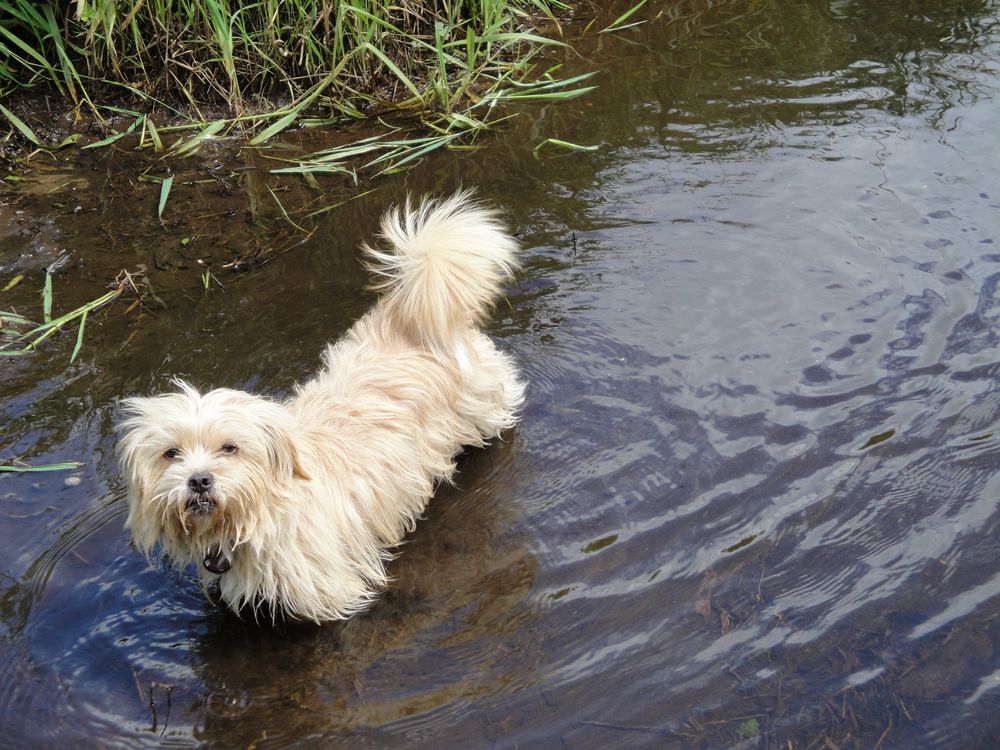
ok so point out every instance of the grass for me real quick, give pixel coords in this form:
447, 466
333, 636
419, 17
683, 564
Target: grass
270, 65
266, 63
383, 154
20, 335
619, 23
164, 194
65, 466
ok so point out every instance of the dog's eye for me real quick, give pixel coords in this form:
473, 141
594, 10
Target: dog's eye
171, 454
229, 449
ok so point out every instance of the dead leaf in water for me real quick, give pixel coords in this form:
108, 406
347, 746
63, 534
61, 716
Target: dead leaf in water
703, 601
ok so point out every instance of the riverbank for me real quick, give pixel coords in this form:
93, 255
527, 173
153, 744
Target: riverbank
176, 74
130, 161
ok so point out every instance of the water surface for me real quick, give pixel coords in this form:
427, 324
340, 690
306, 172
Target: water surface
753, 499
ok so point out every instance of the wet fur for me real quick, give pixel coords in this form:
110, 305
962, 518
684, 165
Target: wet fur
321, 487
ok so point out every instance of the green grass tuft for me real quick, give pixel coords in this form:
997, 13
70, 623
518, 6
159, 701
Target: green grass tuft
249, 57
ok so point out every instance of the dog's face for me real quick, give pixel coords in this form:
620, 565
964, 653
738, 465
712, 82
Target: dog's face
205, 471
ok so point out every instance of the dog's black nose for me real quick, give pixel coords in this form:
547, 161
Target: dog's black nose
200, 483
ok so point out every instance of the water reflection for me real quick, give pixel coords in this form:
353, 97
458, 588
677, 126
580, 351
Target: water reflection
448, 634
753, 498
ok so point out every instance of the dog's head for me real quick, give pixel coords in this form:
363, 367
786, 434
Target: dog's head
205, 472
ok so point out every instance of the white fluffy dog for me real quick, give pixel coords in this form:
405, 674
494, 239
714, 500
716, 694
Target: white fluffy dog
295, 505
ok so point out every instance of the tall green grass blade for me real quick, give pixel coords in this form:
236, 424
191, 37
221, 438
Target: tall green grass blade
274, 128
616, 25
164, 192
432, 145
223, 36
69, 140
471, 48
38, 59
312, 167
393, 68
518, 36
25, 12
65, 466
464, 121
546, 85
189, 146
13, 282
117, 136
154, 136
529, 96
51, 330
79, 338
47, 298
19, 124
563, 144
55, 35
121, 110
441, 83
12, 317
374, 21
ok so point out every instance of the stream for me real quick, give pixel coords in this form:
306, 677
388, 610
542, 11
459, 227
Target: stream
753, 499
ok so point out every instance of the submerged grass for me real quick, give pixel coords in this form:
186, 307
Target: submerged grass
65, 466
20, 335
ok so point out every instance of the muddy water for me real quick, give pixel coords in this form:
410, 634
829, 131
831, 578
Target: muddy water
753, 500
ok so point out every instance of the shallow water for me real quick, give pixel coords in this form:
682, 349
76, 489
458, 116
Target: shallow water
753, 499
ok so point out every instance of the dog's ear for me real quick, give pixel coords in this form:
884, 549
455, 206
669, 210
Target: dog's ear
138, 414
283, 450
134, 411
132, 429
138, 410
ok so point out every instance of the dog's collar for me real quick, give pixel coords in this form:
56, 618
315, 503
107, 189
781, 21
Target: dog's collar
217, 560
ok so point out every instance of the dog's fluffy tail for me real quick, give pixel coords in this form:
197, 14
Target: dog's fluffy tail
445, 265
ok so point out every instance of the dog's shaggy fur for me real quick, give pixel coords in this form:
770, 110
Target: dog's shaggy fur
295, 506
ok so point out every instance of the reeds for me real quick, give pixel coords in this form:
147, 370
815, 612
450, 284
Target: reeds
273, 64
266, 62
